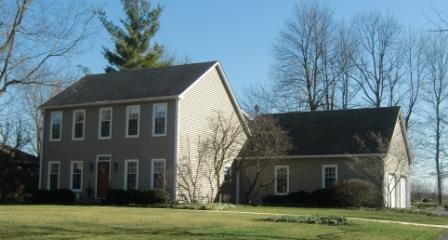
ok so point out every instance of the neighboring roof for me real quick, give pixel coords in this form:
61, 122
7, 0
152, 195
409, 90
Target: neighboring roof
10, 153
334, 132
131, 84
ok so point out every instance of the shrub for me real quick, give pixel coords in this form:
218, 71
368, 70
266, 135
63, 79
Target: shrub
355, 193
293, 198
323, 197
323, 220
120, 197
63, 196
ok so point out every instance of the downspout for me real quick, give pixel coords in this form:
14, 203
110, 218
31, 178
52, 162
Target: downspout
41, 153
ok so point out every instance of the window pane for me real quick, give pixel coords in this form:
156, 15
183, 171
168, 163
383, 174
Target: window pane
105, 129
56, 121
132, 181
133, 127
330, 176
159, 125
56, 132
282, 180
103, 158
79, 130
54, 181
158, 180
159, 118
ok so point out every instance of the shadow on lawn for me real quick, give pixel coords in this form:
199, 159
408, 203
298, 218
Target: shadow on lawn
77, 230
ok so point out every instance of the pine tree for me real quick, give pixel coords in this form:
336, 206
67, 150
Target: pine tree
132, 41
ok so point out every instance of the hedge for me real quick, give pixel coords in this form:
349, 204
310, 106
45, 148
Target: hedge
120, 197
63, 196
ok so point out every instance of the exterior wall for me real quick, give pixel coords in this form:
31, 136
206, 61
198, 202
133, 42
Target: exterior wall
207, 98
397, 163
144, 148
305, 174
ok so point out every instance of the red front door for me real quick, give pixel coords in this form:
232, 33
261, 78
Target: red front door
102, 183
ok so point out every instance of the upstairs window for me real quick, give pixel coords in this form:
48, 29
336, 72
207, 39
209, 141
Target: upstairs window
281, 180
56, 126
76, 178
105, 125
78, 124
132, 121
131, 177
159, 116
158, 173
53, 175
329, 175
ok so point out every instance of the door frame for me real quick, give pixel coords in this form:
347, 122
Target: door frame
96, 170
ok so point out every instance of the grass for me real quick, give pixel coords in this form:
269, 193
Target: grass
95, 222
350, 213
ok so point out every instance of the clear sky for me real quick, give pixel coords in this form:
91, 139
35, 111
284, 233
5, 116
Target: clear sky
240, 33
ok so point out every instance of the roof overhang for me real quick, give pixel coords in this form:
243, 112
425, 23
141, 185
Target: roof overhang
347, 155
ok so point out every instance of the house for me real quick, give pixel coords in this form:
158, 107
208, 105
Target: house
329, 146
133, 130
127, 129
18, 173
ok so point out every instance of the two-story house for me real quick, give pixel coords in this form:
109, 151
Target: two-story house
124, 130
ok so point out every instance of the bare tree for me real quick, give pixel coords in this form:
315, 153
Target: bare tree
33, 33
266, 142
219, 148
386, 160
302, 55
436, 56
377, 60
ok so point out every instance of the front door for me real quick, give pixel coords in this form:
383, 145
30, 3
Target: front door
103, 171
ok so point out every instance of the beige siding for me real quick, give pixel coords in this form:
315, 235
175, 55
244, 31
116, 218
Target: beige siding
305, 174
144, 148
206, 99
397, 162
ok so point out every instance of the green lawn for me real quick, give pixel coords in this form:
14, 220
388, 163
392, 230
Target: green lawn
92, 222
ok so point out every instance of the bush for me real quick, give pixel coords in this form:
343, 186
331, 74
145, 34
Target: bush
323, 220
355, 193
120, 197
293, 198
63, 196
323, 197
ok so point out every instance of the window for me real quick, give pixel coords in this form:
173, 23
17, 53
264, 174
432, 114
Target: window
281, 180
56, 126
76, 178
131, 177
227, 174
132, 121
329, 175
105, 124
78, 124
159, 115
158, 173
53, 175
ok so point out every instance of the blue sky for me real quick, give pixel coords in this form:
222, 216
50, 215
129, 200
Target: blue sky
239, 33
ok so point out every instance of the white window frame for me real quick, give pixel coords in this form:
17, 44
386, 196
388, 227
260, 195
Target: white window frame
153, 161
154, 107
96, 169
126, 174
276, 167
83, 111
127, 121
72, 163
325, 166
100, 121
60, 126
49, 172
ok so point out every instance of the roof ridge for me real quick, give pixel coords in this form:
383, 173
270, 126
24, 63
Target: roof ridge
336, 110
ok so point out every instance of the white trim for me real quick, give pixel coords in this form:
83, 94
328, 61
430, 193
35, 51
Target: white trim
110, 102
176, 148
49, 172
100, 122
96, 170
324, 166
72, 163
60, 126
154, 107
153, 161
74, 112
316, 156
125, 187
127, 121
275, 179
41, 153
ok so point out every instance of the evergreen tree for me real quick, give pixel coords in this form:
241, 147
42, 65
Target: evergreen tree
132, 41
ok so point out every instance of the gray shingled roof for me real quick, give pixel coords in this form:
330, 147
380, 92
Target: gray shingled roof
333, 132
131, 84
